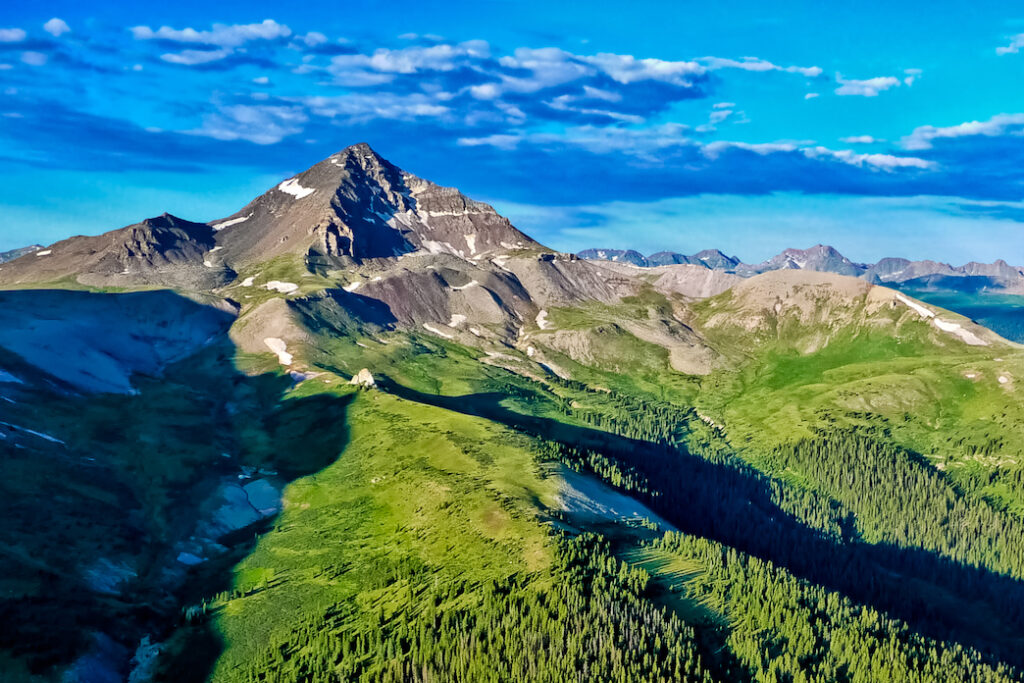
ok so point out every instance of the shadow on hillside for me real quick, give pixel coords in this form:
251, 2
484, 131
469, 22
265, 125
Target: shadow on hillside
93, 527
732, 504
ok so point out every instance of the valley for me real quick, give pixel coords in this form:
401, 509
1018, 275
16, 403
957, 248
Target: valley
366, 429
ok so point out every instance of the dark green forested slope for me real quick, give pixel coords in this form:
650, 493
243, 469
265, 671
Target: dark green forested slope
836, 557
428, 530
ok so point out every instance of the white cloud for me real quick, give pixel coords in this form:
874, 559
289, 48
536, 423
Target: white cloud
1016, 43
811, 95
408, 60
193, 57
724, 105
548, 67
642, 143
628, 69
485, 91
859, 140
713, 150
500, 141
756, 64
885, 162
33, 58
719, 115
314, 38
552, 66
55, 27
262, 124
565, 103
922, 137
12, 35
598, 94
366, 106
221, 35
869, 87
261, 80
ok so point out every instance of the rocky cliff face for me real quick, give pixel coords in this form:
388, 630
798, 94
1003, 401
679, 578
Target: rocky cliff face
356, 205
352, 207
163, 251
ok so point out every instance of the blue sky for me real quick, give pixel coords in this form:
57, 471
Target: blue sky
879, 128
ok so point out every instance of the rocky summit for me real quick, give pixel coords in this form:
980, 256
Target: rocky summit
355, 205
364, 429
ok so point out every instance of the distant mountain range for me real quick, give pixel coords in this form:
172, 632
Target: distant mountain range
923, 275
6, 256
365, 429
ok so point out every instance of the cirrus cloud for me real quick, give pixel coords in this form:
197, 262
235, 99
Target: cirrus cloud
756, 64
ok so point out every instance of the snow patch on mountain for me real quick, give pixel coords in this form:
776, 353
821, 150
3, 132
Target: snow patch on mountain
292, 187
283, 287
921, 310
432, 328
279, 347
956, 329
229, 223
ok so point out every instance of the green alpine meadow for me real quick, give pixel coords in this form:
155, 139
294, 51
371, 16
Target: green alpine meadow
365, 429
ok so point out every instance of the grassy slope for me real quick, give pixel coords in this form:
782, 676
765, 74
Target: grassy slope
879, 371
455, 497
458, 497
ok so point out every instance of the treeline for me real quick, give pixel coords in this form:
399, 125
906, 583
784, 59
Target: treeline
588, 620
899, 500
850, 514
791, 630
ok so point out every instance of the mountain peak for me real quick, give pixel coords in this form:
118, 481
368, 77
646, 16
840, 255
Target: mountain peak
820, 257
163, 250
360, 148
359, 155
356, 204
168, 220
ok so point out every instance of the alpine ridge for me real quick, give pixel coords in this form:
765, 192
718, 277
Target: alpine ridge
824, 258
351, 207
365, 429
162, 251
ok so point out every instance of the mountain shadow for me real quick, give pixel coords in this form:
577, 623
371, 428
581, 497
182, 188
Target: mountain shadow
139, 464
731, 503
